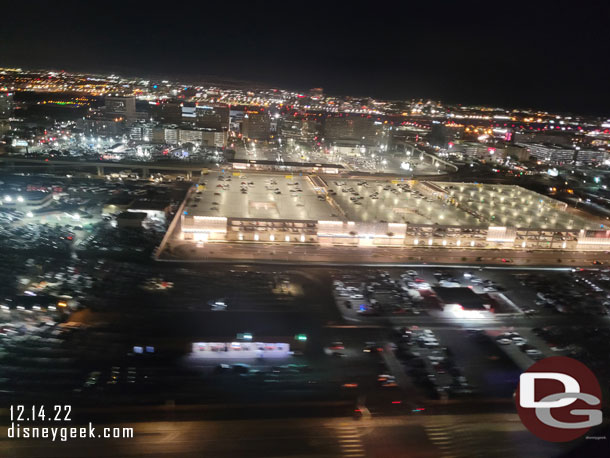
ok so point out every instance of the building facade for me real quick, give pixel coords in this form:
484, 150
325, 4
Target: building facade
120, 108
256, 125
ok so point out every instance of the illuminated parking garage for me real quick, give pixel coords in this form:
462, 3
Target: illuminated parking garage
375, 212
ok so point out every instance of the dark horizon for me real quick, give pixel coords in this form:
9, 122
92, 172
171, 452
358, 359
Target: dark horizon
546, 56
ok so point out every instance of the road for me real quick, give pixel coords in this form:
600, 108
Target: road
329, 255
417, 436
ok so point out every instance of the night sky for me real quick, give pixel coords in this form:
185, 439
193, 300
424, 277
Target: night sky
537, 54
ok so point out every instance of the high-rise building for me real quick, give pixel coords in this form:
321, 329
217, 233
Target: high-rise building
212, 117
147, 133
154, 134
167, 112
256, 125
136, 132
203, 137
188, 111
120, 108
439, 135
102, 127
171, 135
352, 127
299, 129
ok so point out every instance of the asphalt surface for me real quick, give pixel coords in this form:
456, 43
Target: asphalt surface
314, 254
483, 435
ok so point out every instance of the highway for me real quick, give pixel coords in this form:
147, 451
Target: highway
14, 163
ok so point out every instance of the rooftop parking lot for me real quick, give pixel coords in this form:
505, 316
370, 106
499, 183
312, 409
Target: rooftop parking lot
259, 196
395, 202
514, 206
295, 197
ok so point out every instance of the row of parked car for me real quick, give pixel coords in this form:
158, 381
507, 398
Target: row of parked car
514, 338
429, 364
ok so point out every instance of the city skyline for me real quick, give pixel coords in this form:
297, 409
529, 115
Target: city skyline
499, 55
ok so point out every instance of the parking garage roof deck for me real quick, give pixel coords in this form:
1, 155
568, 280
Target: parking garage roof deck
453, 204
465, 205
514, 206
394, 202
297, 200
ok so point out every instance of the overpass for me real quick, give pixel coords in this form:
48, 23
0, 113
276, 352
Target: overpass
9, 162
433, 159
100, 166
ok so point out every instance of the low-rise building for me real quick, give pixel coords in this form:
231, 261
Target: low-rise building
355, 212
591, 156
155, 210
117, 204
26, 201
130, 219
553, 154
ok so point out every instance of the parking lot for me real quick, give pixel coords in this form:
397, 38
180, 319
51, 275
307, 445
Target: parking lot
73, 219
515, 206
394, 201
490, 372
240, 195
414, 292
127, 327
